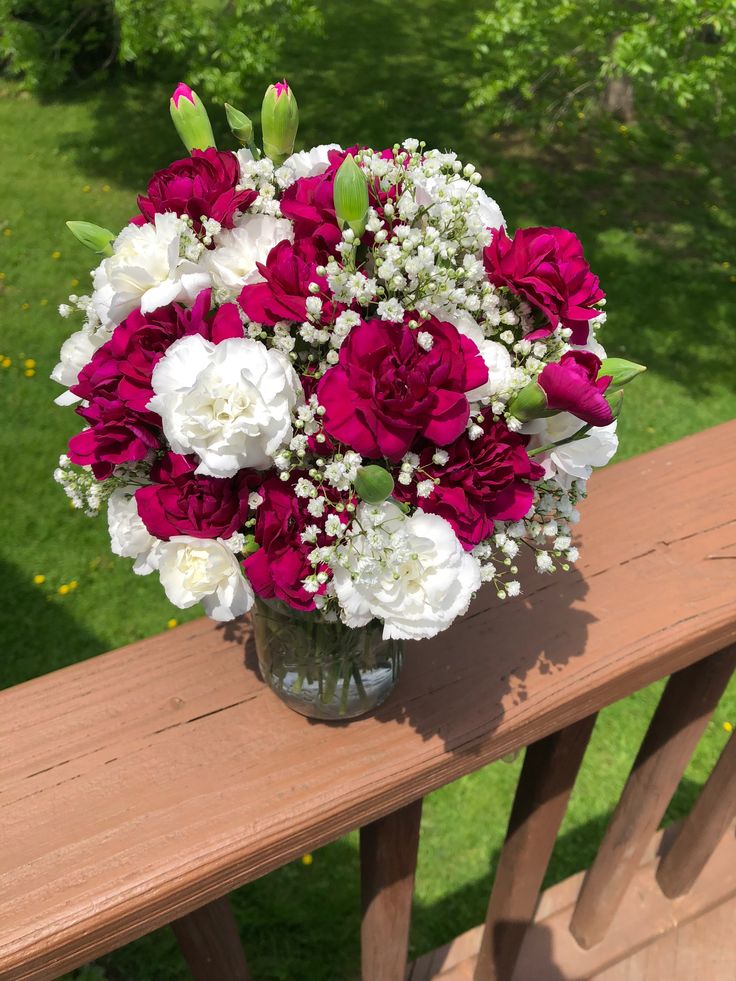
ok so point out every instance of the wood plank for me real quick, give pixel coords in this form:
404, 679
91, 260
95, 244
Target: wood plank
388, 861
704, 827
209, 939
545, 784
143, 784
550, 953
685, 708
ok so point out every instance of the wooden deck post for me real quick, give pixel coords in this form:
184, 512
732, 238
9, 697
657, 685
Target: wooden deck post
684, 709
702, 829
210, 942
388, 859
546, 782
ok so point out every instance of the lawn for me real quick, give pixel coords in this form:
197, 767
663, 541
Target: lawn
655, 216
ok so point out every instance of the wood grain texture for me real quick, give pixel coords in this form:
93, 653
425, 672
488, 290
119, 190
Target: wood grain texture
545, 784
388, 862
685, 708
149, 781
210, 942
704, 827
550, 953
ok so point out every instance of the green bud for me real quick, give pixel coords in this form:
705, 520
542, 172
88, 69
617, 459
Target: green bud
92, 236
530, 403
251, 545
350, 193
240, 124
373, 484
190, 118
620, 370
615, 400
279, 121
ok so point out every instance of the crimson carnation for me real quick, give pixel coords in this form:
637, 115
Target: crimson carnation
547, 268
484, 480
277, 569
123, 366
283, 293
393, 384
572, 385
181, 502
117, 434
203, 185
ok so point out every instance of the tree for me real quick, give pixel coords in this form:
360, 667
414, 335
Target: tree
542, 60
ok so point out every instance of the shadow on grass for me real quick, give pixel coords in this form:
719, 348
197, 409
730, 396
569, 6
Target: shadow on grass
304, 921
42, 636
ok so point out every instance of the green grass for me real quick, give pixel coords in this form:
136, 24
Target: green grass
655, 217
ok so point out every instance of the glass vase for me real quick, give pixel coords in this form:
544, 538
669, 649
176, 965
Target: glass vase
322, 669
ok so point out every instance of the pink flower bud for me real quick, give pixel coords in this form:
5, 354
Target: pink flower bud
182, 91
282, 88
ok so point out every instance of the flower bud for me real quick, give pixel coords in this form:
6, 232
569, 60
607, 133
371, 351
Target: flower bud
619, 370
93, 236
615, 400
530, 403
373, 484
240, 124
350, 195
279, 121
190, 118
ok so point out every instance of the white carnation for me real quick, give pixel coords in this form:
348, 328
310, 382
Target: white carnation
410, 572
230, 403
434, 190
232, 263
195, 570
129, 537
146, 271
76, 352
576, 460
309, 163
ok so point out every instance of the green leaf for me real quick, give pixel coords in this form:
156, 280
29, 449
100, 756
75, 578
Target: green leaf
373, 484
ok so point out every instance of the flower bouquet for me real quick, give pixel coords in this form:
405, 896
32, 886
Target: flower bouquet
329, 385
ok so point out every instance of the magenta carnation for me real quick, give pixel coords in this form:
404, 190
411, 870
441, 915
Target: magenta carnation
484, 480
547, 268
285, 288
204, 184
117, 434
181, 502
572, 385
387, 389
123, 366
277, 569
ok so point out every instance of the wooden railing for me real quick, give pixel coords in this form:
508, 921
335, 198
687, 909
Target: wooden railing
139, 788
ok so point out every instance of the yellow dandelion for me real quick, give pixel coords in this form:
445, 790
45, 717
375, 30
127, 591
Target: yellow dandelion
39, 579
307, 859
73, 584
732, 279
86, 188
728, 726
6, 362
25, 306
75, 282
725, 264
44, 302
623, 129
2, 275
56, 254
7, 232
171, 623
29, 363
105, 188
29, 372
63, 589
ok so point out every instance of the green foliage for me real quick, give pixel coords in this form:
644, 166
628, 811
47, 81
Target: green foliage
216, 45
541, 61
50, 42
